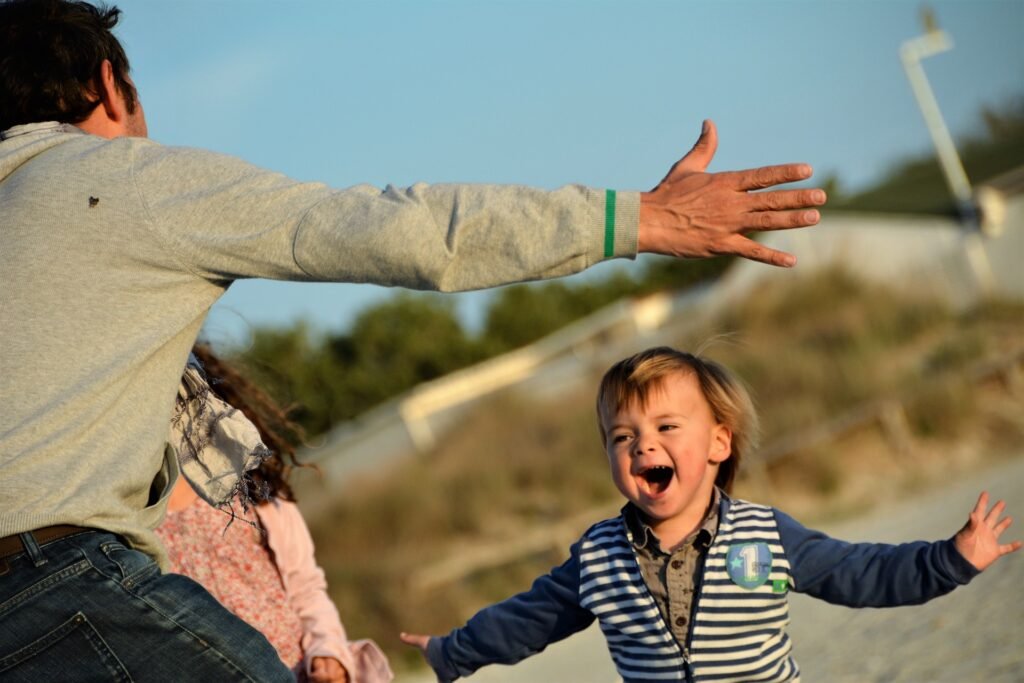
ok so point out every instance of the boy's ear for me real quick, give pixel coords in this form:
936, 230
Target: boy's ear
721, 444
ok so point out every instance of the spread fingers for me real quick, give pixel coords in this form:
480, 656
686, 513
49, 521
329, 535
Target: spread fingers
780, 200
767, 176
780, 220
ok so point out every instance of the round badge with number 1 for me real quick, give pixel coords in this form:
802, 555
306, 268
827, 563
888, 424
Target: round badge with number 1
749, 564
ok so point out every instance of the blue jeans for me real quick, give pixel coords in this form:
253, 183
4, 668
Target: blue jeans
87, 608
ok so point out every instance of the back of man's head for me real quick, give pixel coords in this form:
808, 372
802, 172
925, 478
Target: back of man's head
51, 53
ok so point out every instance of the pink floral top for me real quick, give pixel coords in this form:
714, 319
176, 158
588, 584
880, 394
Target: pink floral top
234, 563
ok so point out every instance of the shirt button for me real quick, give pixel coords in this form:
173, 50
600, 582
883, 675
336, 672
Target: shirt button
676, 564
680, 621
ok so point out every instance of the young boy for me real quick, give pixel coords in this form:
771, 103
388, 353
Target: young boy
688, 583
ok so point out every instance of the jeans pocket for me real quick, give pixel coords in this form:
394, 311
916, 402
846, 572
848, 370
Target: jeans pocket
135, 566
72, 651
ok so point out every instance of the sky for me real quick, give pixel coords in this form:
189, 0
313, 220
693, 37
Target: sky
545, 93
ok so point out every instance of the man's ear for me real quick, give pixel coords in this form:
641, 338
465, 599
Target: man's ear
110, 117
721, 444
111, 98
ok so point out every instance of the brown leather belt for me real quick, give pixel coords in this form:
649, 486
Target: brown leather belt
13, 545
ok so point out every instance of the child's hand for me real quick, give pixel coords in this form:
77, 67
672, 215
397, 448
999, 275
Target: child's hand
327, 670
416, 641
978, 541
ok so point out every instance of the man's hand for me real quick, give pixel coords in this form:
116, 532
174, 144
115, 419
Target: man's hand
327, 670
978, 541
695, 214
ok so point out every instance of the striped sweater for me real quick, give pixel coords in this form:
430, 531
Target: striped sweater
740, 611
738, 630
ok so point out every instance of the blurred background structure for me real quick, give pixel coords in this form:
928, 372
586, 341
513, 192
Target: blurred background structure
455, 434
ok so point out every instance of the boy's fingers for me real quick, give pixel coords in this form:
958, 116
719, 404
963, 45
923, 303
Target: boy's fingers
993, 515
414, 639
982, 503
1002, 526
1010, 548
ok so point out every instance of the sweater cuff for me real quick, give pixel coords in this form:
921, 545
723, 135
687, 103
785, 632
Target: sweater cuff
960, 568
438, 662
620, 225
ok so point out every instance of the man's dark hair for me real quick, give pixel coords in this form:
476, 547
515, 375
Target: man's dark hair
51, 53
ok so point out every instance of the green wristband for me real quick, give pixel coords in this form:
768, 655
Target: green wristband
609, 223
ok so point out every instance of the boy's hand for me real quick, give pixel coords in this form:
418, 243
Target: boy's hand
978, 541
416, 640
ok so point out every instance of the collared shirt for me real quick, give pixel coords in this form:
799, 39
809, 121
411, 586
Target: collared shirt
671, 577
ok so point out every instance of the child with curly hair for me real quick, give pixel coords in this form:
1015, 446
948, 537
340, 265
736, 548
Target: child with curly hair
261, 565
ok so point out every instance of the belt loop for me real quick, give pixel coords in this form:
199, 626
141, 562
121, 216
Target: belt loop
33, 549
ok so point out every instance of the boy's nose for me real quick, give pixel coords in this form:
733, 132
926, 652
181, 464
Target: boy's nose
643, 446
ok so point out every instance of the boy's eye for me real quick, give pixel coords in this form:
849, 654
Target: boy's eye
665, 428
619, 438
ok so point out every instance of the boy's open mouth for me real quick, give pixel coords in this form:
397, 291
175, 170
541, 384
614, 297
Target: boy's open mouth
657, 477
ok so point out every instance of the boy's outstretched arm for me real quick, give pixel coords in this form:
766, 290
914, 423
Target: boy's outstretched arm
978, 540
870, 574
884, 575
511, 630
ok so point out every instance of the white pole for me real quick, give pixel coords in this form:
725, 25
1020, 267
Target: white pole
912, 52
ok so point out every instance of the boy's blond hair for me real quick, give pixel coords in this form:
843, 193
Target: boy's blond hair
633, 378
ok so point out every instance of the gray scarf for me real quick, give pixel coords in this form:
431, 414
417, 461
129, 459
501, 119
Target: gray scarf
217, 445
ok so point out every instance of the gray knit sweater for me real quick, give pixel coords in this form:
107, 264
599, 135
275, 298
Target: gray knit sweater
113, 251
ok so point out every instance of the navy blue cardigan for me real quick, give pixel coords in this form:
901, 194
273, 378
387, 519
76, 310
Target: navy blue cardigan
793, 558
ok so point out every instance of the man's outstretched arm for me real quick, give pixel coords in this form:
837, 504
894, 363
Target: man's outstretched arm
695, 214
225, 219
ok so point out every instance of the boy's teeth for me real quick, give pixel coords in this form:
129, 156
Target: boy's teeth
657, 477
